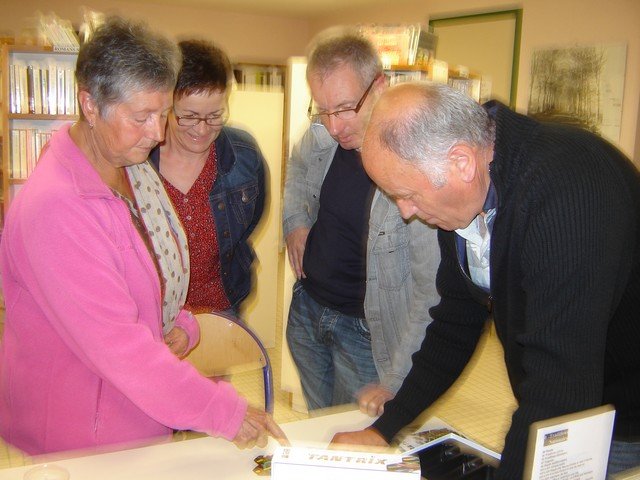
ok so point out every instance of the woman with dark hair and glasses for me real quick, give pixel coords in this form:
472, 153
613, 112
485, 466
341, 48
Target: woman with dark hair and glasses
215, 177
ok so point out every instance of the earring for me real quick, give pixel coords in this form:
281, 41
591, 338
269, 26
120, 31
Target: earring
90, 125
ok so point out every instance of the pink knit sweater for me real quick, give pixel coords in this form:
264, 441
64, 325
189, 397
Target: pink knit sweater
83, 362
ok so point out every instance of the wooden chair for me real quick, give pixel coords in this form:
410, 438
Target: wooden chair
227, 347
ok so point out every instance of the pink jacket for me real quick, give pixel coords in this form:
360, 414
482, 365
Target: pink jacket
83, 362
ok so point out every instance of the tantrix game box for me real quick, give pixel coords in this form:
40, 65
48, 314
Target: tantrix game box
318, 464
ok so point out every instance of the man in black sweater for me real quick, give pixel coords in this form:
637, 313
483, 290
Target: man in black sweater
539, 226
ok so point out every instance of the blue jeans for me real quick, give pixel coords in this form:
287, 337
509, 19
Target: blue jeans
623, 456
331, 350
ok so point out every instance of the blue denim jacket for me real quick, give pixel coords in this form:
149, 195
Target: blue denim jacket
237, 199
308, 164
402, 262
399, 256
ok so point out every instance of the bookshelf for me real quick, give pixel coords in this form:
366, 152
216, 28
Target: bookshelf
38, 96
259, 77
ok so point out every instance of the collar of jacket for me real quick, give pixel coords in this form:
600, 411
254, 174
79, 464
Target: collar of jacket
86, 181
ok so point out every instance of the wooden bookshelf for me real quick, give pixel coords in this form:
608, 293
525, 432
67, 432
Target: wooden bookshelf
25, 116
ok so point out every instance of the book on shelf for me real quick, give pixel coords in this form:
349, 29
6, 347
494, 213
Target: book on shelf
13, 87
42, 89
400, 76
26, 146
60, 88
59, 33
396, 43
269, 78
52, 94
426, 48
31, 96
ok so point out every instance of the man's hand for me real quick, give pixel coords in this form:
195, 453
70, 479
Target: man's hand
177, 341
256, 427
371, 399
296, 242
359, 440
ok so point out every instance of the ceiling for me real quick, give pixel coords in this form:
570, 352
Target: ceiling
289, 8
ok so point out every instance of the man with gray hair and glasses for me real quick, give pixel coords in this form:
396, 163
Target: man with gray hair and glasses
539, 225
347, 348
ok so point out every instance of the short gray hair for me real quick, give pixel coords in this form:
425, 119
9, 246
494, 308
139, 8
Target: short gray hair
343, 45
442, 118
122, 57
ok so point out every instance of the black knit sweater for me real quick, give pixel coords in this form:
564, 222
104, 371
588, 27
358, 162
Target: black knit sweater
565, 286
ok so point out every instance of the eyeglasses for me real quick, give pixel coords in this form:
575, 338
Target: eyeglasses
212, 121
346, 114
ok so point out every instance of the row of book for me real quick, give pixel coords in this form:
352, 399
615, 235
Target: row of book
36, 89
58, 33
468, 86
401, 44
268, 78
437, 71
26, 145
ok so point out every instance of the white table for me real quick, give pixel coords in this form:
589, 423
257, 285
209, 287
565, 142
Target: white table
201, 458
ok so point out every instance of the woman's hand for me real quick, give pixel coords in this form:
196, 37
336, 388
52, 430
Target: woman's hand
177, 341
256, 429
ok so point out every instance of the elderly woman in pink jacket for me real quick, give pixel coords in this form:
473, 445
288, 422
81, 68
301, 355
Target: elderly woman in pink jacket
95, 271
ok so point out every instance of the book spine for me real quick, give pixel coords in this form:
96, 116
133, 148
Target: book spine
61, 90
13, 89
31, 94
14, 161
44, 90
69, 101
37, 92
52, 75
22, 168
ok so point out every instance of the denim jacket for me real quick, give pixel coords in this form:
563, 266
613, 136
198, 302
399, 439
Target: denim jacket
402, 262
399, 255
308, 164
237, 200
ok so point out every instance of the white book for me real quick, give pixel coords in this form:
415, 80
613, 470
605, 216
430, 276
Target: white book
61, 90
14, 162
53, 89
69, 100
22, 95
37, 91
319, 464
44, 90
13, 89
22, 169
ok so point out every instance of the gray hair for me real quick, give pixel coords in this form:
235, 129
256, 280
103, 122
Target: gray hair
338, 46
121, 58
441, 118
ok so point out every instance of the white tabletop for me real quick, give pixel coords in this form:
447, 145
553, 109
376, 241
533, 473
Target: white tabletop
201, 458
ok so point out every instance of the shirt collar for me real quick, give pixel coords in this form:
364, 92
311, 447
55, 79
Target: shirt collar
491, 201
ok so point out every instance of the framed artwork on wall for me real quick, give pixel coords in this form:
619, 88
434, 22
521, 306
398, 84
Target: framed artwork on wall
580, 85
486, 43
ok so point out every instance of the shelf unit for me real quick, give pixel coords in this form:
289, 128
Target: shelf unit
470, 83
25, 133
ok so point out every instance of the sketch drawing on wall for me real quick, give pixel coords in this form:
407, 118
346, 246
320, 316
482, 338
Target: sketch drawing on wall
581, 86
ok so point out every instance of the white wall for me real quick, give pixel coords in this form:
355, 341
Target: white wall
546, 23
245, 37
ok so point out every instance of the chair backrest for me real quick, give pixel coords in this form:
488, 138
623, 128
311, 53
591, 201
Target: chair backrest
227, 347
